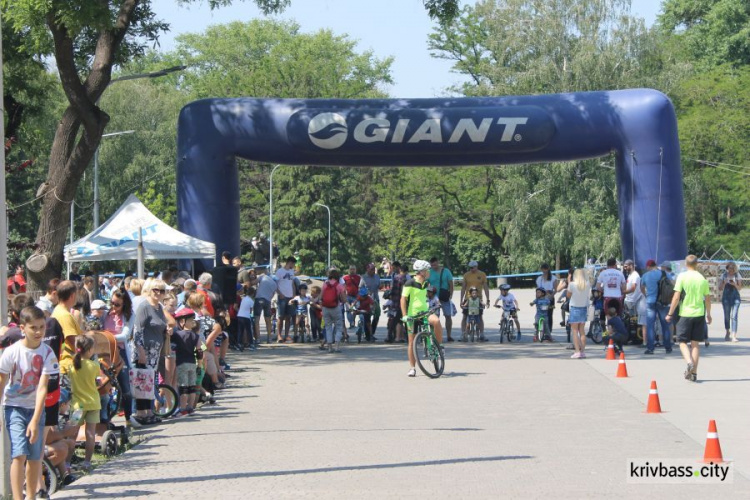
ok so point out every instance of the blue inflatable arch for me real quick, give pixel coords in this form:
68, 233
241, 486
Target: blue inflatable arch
639, 126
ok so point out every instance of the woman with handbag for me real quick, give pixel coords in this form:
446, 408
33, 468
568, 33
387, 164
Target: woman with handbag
149, 333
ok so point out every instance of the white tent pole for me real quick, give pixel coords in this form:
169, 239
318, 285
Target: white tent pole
141, 265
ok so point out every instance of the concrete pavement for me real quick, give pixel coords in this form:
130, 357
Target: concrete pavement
517, 421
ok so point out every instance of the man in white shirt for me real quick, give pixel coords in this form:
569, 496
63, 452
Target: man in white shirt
635, 302
611, 283
285, 292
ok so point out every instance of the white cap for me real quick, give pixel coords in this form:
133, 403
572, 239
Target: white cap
473, 263
98, 305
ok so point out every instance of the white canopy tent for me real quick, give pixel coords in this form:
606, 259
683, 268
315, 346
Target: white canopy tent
118, 239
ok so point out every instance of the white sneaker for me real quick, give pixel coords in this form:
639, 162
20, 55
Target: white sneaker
134, 422
412, 373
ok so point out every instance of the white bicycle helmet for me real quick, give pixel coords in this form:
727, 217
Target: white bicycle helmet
421, 265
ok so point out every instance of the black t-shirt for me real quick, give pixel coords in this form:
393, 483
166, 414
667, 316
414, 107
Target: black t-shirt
53, 336
12, 335
187, 344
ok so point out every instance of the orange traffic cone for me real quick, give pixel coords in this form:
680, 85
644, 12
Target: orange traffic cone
653, 399
611, 350
622, 370
713, 448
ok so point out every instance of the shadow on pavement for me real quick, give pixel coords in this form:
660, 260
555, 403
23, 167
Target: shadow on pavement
197, 479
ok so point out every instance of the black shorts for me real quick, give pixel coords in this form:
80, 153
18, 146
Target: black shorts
465, 311
51, 415
691, 329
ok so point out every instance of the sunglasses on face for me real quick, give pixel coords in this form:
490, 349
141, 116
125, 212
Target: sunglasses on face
116, 304
159, 290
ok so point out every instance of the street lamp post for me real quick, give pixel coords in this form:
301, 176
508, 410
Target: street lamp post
329, 232
270, 220
96, 176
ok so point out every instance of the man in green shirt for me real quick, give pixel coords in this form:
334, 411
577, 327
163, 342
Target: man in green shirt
413, 302
695, 312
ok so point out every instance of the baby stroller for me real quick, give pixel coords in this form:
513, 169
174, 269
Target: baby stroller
108, 436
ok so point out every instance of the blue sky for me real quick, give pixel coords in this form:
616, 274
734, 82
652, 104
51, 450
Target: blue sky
397, 28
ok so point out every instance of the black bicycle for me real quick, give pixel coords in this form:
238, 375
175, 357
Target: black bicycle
427, 350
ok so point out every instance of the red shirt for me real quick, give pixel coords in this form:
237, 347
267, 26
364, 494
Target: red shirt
207, 301
365, 304
351, 283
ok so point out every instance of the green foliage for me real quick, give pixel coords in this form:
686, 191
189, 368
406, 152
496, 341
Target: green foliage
714, 127
559, 212
709, 32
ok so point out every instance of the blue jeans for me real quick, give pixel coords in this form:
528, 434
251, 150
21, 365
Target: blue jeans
652, 311
731, 304
350, 315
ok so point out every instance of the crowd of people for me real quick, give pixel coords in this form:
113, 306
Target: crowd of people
54, 383
180, 329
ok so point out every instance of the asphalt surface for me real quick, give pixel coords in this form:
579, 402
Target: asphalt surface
513, 421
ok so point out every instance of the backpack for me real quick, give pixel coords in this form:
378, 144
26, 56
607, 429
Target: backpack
330, 296
666, 290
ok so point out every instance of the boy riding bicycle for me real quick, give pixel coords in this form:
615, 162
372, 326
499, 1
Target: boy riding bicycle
474, 305
413, 302
508, 302
542, 303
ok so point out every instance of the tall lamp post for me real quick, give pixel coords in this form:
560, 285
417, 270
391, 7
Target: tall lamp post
329, 232
270, 220
96, 176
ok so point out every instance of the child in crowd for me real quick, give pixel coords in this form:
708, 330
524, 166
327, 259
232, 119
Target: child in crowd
188, 349
95, 319
363, 308
616, 328
301, 302
473, 305
86, 399
432, 300
25, 368
316, 313
542, 303
246, 339
391, 311
508, 302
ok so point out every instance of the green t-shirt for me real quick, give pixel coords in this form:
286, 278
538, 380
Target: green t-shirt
695, 287
416, 293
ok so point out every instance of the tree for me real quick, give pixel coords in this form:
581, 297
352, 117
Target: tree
560, 212
709, 32
714, 126
87, 40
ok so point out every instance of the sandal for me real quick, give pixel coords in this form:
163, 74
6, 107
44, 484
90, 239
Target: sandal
143, 420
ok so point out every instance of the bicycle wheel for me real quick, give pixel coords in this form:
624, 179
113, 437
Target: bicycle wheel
511, 331
472, 331
428, 354
115, 397
541, 329
595, 334
166, 401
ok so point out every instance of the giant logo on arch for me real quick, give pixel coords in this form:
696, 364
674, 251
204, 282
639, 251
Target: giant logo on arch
420, 131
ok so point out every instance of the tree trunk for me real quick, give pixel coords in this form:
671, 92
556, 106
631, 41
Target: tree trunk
78, 133
68, 161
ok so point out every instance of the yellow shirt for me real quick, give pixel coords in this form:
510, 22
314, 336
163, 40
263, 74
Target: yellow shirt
70, 328
477, 279
83, 381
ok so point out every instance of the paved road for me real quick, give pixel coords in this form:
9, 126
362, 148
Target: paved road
511, 421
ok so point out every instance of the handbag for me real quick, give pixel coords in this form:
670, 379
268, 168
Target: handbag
142, 383
444, 294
